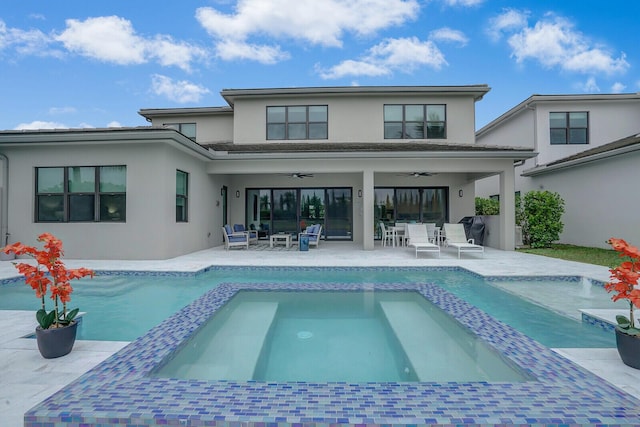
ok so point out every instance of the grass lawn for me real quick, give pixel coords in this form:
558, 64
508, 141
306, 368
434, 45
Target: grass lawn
597, 256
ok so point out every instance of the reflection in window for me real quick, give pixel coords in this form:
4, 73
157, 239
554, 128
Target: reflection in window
182, 189
420, 204
415, 121
569, 127
297, 122
187, 129
80, 194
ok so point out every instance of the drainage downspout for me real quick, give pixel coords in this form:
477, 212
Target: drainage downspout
4, 224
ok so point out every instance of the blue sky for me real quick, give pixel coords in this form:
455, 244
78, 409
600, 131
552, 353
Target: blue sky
79, 63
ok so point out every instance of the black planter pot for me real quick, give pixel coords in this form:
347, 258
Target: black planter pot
56, 342
628, 349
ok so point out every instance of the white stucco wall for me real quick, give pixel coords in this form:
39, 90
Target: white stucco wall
150, 230
600, 200
354, 118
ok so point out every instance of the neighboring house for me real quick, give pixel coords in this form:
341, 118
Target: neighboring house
273, 159
587, 149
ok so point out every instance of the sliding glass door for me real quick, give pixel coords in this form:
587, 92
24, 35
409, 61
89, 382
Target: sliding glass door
291, 210
421, 204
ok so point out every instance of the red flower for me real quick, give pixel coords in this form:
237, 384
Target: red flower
48, 261
624, 278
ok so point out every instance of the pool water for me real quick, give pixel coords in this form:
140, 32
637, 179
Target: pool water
320, 336
125, 307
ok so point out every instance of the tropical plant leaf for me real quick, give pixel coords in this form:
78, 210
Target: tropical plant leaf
69, 317
45, 320
623, 321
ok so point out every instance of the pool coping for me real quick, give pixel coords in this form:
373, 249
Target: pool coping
120, 391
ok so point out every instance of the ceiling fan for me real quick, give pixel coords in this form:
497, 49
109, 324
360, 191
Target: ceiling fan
417, 174
300, 175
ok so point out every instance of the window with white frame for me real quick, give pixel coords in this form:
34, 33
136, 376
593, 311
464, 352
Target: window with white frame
569, 127
81, 194
297, 122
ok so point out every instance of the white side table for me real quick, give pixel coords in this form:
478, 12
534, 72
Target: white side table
280, 238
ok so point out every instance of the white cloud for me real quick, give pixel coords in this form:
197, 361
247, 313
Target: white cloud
229, 50
317, 22
447, 34
618, 87
590, 86
39, 124
62, 110
404, 54
113, 39
555, 43
353, 68
510, 19
465, 3
177, 91
31, 42
114, 124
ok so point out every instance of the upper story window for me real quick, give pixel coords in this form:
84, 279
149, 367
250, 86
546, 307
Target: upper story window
81, 194
569, 128
415, 121
297, 122
182, 193
187, 129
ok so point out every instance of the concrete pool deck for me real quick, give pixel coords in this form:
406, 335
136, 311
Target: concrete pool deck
27, 378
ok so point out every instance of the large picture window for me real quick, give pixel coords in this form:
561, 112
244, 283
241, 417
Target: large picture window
415, 121
81, 194
297, 122
569, 127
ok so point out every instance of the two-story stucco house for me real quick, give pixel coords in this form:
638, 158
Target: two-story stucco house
588, 151
273, 159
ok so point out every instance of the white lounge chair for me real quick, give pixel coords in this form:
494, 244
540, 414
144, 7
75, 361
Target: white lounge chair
419, 239
456, 237
237, 239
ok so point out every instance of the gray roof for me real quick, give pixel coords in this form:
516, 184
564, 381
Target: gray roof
615, 148
621, 143
310, 147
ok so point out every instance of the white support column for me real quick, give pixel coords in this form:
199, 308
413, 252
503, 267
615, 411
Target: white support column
507, 209
367, 210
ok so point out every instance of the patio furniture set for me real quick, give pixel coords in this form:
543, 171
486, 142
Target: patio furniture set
238, 236
428, 237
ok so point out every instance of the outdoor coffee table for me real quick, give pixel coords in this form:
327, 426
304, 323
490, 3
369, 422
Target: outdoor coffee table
280, 238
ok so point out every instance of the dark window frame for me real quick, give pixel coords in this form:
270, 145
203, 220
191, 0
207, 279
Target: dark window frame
306, 123
67, 194
182, 215
568, 128
426, 123
179, 128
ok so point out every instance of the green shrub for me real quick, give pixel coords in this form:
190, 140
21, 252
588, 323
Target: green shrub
487, 206
542, 218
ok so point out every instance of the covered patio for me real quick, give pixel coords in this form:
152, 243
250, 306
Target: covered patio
365, 170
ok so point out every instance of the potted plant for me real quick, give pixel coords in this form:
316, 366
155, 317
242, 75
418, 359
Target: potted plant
56, 330
624, 281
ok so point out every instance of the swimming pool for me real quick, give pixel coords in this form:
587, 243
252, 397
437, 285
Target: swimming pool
327, 336
141, 301
123, 391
